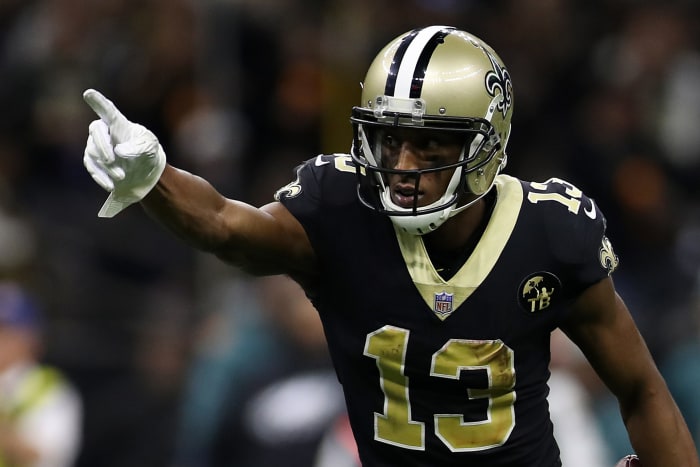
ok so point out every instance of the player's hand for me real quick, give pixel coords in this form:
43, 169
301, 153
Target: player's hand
124, 158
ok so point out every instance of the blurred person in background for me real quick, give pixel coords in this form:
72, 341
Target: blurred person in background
40, 411
229, 342
288, 396
451, 233
573, 385
338, 447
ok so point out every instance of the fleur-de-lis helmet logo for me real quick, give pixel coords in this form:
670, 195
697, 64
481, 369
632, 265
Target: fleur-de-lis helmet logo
498, 82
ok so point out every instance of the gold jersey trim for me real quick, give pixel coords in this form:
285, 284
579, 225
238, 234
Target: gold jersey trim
443, 297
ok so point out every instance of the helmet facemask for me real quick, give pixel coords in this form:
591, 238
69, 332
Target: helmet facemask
480, 146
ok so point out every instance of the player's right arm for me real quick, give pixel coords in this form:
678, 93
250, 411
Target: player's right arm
266, 240
126, 159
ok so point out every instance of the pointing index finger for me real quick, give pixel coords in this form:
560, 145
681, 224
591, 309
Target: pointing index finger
119, 125
103, 107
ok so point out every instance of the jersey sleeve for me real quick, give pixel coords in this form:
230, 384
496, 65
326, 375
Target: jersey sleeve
576, 232
302, 197
598, 259
323, 187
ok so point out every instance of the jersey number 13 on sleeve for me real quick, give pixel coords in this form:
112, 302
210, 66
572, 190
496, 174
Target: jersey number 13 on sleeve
395, 426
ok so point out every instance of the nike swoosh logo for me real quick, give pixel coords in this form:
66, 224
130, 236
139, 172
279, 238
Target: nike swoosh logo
590, 212
319, 162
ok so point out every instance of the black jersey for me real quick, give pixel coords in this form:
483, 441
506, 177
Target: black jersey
447, 373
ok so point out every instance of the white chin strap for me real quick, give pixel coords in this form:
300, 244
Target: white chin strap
421, 224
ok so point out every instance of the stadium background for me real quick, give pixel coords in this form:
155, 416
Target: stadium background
240, 91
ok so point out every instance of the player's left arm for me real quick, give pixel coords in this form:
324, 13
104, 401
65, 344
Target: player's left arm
601, 325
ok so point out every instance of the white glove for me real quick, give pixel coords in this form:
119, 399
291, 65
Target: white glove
124, 158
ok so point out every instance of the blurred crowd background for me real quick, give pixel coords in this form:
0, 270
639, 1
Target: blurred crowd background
163, 343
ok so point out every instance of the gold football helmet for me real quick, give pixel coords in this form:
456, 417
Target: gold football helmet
441, 78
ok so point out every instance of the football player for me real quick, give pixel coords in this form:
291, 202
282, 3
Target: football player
437, 277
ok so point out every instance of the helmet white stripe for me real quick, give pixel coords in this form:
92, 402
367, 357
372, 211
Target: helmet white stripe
404, 77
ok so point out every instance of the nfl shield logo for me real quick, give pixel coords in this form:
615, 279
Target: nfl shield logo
443, 303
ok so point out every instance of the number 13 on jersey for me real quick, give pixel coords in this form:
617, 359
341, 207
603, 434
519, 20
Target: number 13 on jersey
395, 426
